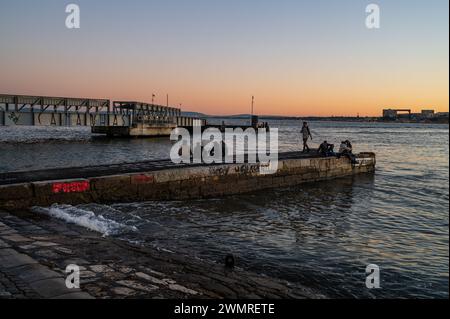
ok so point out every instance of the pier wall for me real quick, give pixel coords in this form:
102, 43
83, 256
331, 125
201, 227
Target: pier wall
180, 183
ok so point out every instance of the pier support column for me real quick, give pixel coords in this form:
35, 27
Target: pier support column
16, 104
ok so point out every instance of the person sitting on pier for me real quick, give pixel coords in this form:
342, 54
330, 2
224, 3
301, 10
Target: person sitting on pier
326, 149
346, 149
349, 146
306, 133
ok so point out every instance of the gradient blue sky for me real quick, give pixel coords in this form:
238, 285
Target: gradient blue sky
311, 57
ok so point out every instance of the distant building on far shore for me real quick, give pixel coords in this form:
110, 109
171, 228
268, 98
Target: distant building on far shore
441, 114
390, 114
393, 114
427, 113
407, 115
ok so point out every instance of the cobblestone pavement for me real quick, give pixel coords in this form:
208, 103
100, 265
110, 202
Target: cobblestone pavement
35, 251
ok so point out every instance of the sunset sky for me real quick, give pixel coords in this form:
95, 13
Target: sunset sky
297, 57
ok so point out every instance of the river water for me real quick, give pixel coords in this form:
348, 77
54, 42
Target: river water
322, 235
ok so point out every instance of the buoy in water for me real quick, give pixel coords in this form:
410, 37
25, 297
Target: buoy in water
229, 261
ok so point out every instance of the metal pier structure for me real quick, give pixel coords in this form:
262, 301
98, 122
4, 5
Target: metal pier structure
146, 120
115, 119
52, 111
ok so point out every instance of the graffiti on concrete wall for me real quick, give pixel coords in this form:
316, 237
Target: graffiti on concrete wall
143, 179
248, 169
219, 171
72, 187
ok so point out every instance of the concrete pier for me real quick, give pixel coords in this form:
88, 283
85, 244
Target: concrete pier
138, 130
163, 180
146, 120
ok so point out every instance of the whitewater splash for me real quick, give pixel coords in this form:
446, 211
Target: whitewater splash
84, 218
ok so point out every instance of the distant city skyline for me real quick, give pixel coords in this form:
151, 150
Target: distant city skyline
298, 58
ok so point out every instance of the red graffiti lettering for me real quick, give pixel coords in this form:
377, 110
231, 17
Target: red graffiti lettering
73, 187
143, 179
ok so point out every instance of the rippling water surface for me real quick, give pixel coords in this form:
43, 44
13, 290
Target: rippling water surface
320, 234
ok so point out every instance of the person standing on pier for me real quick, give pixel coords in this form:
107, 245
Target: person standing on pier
306, 133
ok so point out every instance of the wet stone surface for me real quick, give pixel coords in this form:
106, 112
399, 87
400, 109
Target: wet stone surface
36, 252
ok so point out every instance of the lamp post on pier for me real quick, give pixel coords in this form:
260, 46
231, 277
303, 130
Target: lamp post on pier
253, 103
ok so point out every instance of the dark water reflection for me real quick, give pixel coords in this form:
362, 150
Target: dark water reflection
323, 235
